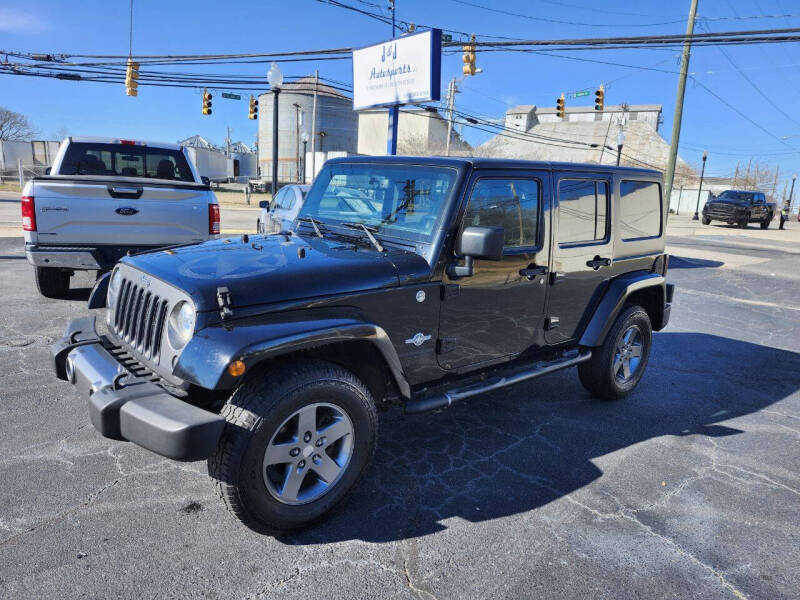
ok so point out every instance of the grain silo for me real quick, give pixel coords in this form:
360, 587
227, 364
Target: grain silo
336, 126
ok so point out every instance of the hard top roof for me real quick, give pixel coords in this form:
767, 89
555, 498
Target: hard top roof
494, 163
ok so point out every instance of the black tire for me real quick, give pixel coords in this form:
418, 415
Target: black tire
258, 226
52, 283
254, 414
765, 223
598, 374
706, 221
745, 220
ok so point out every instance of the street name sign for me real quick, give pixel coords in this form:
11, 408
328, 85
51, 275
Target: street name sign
405, 70
230, 96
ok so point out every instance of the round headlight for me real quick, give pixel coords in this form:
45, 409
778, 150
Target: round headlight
181, 324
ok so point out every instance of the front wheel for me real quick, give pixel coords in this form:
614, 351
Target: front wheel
767, 220
298, 437
706, 221
745, 220
616, 367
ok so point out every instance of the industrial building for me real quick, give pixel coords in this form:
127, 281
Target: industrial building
585, 135
419, 131
335, 126
235, 162
32, 157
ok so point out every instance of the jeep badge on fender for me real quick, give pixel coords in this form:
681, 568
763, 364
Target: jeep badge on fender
412, 281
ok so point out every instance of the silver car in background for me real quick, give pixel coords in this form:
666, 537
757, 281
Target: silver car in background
281, 213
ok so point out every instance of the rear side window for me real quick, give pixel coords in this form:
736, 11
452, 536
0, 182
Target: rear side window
512, 204
582, 211
639, 210
84, 158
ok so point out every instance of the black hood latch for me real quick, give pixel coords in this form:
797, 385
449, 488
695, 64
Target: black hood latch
225, 303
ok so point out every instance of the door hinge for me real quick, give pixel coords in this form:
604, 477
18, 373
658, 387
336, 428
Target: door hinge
551, 323
450, 290
445, 345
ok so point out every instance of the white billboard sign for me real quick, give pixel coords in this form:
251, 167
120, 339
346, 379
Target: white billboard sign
405, 70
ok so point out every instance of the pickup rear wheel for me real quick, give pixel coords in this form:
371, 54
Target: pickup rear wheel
52, 282
298, 437
617, 366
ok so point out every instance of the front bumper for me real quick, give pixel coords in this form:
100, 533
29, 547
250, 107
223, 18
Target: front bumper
123, 406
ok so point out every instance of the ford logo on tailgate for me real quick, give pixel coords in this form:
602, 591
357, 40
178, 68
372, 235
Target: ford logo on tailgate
126, 211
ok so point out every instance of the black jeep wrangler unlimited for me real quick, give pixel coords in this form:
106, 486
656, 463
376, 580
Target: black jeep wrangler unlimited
417, 281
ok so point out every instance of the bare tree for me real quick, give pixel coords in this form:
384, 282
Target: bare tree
15, 126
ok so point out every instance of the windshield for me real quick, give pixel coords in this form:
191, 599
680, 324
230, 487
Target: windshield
125, 160
734, 195
403, 201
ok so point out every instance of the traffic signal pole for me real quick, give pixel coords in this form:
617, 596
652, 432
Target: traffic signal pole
676, 120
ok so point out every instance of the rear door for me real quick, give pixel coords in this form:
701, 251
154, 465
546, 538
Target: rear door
498, 312
80, 211
582, 252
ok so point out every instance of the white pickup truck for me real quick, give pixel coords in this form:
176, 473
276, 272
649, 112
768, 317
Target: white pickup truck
106, 197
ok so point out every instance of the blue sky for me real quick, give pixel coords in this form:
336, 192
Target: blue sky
199, 26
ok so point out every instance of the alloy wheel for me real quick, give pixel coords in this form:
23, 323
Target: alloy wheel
628, 354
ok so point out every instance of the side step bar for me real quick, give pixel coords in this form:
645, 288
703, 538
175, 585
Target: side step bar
445, 399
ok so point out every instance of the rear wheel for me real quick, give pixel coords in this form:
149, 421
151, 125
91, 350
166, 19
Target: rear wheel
706, 221
297, 439
617, 366
52, 282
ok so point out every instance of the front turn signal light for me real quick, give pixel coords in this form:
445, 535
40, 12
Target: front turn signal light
236, 368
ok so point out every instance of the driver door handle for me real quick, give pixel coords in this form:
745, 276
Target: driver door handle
532, 271
598, 262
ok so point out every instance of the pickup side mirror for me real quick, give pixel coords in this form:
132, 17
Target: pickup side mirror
477, 242
205, 180
263, 204
47, 171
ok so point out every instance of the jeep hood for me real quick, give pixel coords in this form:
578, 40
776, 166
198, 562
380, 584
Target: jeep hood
276, 268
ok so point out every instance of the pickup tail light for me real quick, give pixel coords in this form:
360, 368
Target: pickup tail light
28, 214
213, 219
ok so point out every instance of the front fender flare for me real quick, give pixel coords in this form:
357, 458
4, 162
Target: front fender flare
612, 302
205, 359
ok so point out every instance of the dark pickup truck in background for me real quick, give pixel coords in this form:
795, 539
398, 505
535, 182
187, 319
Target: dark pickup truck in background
739, 207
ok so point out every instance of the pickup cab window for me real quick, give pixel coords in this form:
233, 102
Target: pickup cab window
123, 160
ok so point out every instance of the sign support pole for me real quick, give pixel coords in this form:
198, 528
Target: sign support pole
391, 134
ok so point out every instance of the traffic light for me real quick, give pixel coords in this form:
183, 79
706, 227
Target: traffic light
206, 102
560, 107
469, 58
253, 108
131, 78
599, 98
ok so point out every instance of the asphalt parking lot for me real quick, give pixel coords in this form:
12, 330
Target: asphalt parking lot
690, 488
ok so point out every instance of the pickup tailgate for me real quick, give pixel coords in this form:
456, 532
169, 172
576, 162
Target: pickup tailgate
85, 212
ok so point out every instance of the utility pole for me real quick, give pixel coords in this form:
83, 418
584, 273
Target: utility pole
314, 128
451, 98
297, 140
228, 143
676, 120
394, 111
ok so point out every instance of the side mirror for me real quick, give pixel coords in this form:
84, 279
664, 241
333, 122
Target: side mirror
263, 204
205, 180
477, 242
47, 171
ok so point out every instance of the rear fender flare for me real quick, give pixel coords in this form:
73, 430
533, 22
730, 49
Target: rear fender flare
205, 359
619, 290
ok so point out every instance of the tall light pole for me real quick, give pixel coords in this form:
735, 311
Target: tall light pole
305, 141
275, 79
298, 121
696, 216
791, 192
620, 143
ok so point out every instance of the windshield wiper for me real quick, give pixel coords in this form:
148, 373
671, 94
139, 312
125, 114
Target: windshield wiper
313, 224
368, 230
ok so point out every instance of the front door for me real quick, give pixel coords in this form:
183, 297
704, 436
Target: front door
498, 311
582, 252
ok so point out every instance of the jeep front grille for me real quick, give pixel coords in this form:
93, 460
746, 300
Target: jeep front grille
139, 319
